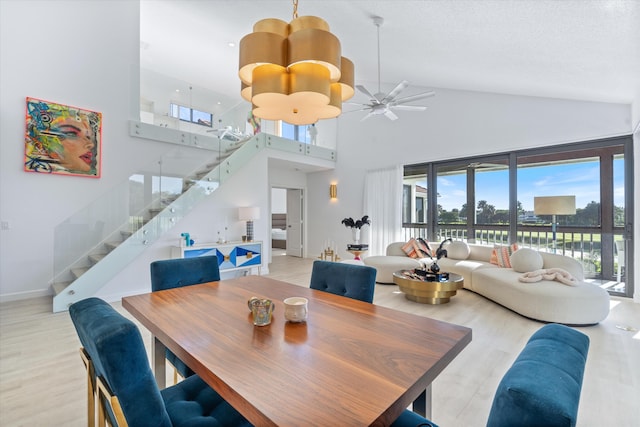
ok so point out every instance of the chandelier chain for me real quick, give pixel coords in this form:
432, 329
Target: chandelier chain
295, 9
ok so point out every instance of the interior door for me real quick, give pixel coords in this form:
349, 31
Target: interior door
294, 222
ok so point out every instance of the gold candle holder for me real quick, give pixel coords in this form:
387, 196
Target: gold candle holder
329, 255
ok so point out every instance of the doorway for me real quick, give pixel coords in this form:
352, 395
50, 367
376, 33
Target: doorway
287, 221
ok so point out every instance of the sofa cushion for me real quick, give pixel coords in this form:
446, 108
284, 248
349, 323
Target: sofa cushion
525, 260
458, 250
501, 254
465, 268
417, 248
395, 249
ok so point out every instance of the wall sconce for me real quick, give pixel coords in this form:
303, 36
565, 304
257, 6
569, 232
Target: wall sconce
249, 214
554, 205
333, 191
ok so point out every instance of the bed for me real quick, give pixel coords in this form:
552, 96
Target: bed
279, 231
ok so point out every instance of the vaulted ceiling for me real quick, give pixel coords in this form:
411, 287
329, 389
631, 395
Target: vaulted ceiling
574, 49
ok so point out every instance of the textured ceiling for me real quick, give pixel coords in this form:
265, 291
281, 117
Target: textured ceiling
582, 49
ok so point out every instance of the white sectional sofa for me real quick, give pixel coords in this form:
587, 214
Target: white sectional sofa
545, 300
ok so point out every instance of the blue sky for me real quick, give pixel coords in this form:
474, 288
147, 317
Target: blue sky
579, 179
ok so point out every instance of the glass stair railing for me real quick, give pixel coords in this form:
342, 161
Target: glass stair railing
95, 244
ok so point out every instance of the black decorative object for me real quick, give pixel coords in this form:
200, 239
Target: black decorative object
441, 252
426, 275
349, 222
434, 268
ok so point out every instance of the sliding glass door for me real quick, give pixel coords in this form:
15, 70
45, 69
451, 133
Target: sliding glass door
490, 200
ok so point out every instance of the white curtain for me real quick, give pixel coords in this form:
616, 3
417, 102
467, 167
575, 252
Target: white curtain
383, 204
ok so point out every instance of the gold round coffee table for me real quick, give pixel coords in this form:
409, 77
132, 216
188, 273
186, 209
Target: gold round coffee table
423, 291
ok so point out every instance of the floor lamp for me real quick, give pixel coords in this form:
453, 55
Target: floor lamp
249, 214
554, 205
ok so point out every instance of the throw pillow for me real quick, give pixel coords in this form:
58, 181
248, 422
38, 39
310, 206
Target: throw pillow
416, 248
458, 250
500, 255
525, 260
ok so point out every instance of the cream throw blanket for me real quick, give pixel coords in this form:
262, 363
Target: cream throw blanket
557, 274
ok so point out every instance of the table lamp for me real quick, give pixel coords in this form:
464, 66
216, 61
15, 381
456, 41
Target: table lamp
249, 214
554, 205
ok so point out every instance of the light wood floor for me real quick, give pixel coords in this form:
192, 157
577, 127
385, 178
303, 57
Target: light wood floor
42, 377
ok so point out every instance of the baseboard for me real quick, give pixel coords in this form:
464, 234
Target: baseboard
18, 296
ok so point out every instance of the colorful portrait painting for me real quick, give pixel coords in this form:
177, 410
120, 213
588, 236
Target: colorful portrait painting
60, 139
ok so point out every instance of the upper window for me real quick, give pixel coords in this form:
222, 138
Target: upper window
192, 115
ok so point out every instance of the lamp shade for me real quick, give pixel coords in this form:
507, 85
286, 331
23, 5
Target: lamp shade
554, 205
248, 213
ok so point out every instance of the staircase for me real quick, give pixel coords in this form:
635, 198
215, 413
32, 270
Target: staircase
94, 267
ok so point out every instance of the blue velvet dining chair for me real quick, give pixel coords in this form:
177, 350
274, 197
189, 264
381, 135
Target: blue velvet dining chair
349, 280
178, 272
127, 393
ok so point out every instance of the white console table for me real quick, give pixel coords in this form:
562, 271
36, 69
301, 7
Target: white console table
231, 255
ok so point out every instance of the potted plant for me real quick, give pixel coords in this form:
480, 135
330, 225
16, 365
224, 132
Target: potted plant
355, 226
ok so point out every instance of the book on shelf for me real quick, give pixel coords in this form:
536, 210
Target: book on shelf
357, 247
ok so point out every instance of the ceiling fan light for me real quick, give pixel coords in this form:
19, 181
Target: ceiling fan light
381, 103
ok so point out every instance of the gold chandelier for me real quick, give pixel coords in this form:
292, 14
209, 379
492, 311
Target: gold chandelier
294, 72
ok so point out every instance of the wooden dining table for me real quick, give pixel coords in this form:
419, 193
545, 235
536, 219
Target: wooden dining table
351, 363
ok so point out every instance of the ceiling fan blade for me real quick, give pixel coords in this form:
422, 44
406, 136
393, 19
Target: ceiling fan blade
414, 97
396, 90
365, 108
408, 107
369, 94
390, 115
359, 104
371, 113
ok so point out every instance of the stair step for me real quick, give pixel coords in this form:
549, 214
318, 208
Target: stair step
111, 245
59, 287
96, 258
77, 272
201, 174
125, 234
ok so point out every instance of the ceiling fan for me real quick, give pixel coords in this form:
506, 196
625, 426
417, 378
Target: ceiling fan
383, 104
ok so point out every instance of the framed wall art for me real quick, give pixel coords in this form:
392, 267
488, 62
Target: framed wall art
60, 139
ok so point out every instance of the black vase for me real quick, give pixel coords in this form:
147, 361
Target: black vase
434, 268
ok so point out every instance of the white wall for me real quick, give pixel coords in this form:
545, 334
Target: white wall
77, 53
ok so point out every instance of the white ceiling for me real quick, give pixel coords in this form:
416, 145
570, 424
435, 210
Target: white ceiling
573, 49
